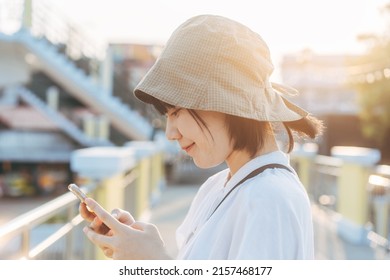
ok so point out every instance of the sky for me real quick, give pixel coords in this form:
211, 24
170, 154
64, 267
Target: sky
288, 26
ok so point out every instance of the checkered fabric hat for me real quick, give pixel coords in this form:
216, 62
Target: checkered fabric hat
213, 63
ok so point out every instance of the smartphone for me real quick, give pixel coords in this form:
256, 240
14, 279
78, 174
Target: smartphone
77, 192
82, 196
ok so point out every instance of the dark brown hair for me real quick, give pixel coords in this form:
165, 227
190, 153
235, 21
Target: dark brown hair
249, 134
162, 107
308, 126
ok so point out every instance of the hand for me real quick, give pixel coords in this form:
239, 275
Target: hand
98, 226
129, 240
121, 215
85, 213
95, 223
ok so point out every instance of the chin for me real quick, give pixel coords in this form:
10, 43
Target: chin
206, 164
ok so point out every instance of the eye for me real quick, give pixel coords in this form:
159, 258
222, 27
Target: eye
175, 112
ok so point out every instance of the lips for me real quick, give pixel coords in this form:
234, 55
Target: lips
187, 148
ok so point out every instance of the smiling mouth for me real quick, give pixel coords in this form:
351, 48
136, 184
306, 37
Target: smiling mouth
187, 148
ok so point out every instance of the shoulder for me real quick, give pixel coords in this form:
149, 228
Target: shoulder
274, 188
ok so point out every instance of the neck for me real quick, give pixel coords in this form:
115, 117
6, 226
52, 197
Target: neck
239, 158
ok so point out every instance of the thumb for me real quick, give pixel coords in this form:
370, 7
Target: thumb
146, 227
139, 225
122, 216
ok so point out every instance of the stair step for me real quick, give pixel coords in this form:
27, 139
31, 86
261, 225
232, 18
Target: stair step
85, 88
67, 126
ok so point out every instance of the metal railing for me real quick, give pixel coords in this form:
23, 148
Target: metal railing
323, 186
44, 20
54, 229
66, 125
323, 190
356, 210
67, 234
378, 188
21, 237
85, 89
51, 231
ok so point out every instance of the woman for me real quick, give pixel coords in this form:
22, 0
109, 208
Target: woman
212, 83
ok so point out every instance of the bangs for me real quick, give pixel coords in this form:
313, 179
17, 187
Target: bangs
161, 106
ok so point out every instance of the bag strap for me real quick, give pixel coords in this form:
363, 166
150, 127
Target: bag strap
251, 175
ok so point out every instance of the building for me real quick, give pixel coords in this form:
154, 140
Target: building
322, 80
131, 62
325, 90
56, 95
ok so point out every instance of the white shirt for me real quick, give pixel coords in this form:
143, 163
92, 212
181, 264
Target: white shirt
266, 217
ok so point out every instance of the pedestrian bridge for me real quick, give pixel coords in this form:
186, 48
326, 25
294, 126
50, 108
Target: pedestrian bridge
350, 200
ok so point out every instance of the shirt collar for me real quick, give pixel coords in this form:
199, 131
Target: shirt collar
273, 157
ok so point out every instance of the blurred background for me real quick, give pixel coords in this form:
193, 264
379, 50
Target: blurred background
67, 114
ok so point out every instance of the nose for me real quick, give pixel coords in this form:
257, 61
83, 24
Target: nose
171, 131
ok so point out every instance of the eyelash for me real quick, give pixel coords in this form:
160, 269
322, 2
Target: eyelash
174, 113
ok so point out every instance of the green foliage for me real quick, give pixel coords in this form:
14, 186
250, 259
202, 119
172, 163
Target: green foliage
374, 101
374, 92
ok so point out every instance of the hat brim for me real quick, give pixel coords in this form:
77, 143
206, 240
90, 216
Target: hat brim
292, 111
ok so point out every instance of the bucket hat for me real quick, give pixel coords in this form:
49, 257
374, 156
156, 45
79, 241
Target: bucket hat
213, 63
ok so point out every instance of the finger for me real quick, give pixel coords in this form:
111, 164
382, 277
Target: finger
85, 214
95, 224
123, 216
147, 228
96, 238
98, 226
141, 226
102, 214
108, 252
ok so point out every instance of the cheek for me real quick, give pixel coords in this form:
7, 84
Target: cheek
223, 147
213, 152
188, 126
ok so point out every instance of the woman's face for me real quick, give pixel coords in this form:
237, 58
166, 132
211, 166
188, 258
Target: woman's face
208, 146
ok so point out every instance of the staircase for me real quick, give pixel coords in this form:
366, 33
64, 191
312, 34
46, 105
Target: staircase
62, 70
62, 122
37, 26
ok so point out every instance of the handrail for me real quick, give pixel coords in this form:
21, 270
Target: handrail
23, 224
50, 22
125, 119
378, 188
67, 126
329, 161
378, 240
